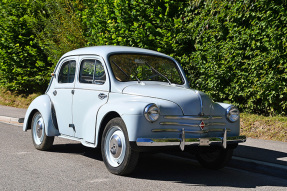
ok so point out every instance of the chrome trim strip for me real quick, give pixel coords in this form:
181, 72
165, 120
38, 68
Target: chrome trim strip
215, 117
182, 142
197, 132
192, 117
219, 130
171, 130
188, 131
224, 142
191, 124
188, 141
214, 124
180, 124
165, 130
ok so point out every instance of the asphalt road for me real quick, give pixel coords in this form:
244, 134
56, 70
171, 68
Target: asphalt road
71, 166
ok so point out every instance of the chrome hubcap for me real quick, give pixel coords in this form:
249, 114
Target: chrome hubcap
115, 146
38, 129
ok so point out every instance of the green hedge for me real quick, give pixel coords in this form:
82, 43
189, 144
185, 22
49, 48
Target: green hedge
23, 64
241, 53
233, 50
34, 35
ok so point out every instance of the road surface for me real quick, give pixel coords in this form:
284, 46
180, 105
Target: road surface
71, 166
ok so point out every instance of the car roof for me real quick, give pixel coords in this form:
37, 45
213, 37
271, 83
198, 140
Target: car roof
104, 51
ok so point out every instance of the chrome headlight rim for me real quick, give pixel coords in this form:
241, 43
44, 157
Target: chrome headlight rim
232, 114
151, 112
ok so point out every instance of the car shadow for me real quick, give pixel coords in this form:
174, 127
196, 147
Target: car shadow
264, 155
177, 168
77, 149
180, 168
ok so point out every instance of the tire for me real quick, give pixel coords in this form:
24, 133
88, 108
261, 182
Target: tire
40, 140
214, 159
117, 153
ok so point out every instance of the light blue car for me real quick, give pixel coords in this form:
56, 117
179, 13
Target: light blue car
128, 100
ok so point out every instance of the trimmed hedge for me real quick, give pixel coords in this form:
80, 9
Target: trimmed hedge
241, 53
23, 64
232, 50
34, 35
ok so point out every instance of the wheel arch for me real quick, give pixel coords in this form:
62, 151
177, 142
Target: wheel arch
29, 120
131, 112
109, 116
44, 106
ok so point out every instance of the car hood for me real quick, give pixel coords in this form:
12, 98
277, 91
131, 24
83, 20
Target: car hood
191, 102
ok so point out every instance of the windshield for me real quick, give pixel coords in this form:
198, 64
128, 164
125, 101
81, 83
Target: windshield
140, 67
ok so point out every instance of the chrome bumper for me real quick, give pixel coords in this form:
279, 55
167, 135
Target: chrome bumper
224, 140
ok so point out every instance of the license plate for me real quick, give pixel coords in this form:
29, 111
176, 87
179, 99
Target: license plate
204, 142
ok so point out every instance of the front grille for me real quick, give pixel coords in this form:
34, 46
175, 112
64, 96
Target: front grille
209, 117
196, 121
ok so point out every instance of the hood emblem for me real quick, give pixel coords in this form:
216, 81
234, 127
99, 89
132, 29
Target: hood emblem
202, 125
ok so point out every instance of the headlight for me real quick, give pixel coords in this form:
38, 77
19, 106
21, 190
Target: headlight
151, 112
232, 114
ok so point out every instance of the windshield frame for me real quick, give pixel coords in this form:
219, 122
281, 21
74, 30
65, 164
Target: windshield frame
178, 68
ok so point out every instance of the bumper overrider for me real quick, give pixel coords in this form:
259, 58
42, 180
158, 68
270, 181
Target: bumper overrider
182, 141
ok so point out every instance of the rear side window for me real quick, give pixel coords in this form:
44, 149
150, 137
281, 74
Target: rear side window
92, 72
67, 72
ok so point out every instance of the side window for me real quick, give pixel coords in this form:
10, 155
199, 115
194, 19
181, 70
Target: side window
92, 72
67, 72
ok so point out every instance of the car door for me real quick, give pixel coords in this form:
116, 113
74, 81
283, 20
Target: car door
62, 97
91, 92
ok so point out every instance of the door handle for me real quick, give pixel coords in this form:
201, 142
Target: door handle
73, 91
55, 93
102, 96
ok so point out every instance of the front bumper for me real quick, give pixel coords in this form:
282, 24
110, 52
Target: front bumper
182, 141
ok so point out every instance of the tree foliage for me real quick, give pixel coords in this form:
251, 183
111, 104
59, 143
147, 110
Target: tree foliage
58, 28
23, 63
233, 50
34, 34
240, 53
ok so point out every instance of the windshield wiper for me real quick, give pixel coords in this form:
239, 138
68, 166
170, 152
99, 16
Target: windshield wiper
125, 72
159, 73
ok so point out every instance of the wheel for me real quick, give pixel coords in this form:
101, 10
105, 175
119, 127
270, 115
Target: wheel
117, 153
214, 159
40, 140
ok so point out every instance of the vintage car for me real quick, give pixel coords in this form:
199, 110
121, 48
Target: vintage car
128, 100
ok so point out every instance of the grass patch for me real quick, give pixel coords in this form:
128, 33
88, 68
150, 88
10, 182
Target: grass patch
261, 127
15, 100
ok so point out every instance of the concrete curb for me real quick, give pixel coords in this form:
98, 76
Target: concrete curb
12, 120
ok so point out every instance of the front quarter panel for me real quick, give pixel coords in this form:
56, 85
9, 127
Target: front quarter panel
131, 110
220, 109
43, 105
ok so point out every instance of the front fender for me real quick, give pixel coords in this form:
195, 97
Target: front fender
221, 110
131, 110
44, 106
126, 104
